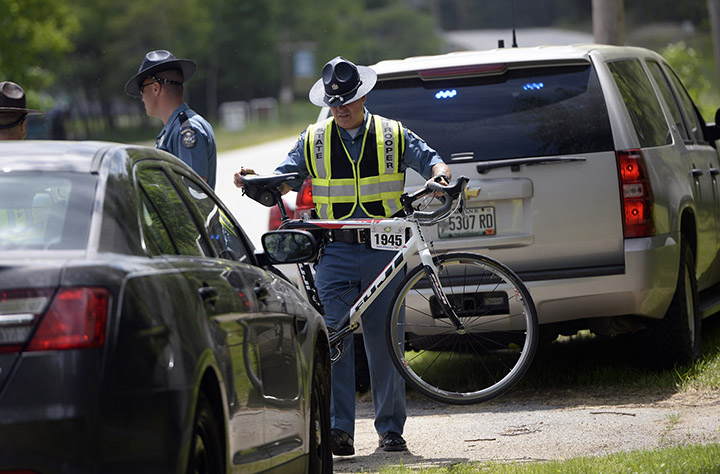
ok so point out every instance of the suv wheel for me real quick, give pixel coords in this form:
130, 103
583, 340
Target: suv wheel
676, 338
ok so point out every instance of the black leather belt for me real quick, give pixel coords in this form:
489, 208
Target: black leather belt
348, 236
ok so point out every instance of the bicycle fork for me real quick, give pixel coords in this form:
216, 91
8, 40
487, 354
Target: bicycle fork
431, 270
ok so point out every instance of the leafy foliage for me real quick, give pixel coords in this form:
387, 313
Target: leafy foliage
687, 63
34, 35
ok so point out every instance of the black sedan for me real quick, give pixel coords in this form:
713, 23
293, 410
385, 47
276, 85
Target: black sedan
139, 330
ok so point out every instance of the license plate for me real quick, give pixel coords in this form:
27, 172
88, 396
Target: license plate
473, 222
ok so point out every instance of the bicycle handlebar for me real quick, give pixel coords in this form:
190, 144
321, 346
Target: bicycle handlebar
449, 192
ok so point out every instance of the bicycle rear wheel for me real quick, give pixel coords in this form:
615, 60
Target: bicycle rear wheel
473, 365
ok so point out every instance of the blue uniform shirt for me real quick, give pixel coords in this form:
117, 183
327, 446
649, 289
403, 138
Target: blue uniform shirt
418, 156
192, 141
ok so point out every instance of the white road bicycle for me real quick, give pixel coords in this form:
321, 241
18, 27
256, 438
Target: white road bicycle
462, 327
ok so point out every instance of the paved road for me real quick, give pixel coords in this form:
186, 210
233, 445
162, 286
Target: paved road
252, 216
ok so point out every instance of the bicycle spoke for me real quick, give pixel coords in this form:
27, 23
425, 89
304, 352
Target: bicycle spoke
488, 354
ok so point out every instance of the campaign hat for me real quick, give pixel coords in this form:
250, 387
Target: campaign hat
342, 83
12, 99
158, 61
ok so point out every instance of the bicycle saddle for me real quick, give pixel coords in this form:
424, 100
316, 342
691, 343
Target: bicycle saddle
269, 181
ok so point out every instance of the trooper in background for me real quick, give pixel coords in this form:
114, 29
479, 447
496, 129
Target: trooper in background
186, 134
13, 112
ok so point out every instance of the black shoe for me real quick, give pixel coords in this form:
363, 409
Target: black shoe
392, 441
342, 443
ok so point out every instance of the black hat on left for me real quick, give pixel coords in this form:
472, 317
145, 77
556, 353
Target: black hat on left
12, 99
156, 61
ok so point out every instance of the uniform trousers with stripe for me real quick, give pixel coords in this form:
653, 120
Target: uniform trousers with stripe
341, 273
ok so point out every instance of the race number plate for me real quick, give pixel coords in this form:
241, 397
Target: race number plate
387, 236
475, 221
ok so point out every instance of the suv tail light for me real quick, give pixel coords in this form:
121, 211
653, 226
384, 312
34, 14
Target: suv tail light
274, 221
304, 203
75, 318
636, 193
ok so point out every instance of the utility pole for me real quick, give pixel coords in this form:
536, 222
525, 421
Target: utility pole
714, 13
608, 17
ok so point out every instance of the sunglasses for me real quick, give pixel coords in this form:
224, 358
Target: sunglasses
159, 80
145, 85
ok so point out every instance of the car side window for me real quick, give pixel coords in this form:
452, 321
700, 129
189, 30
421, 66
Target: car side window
641, 102
157, 239
687, 105
171, 212
669, 97
224, 235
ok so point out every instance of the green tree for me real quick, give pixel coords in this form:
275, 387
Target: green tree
34, 36
241, 48
395, 32
687, 63
111, 45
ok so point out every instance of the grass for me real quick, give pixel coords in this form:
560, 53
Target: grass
678, 460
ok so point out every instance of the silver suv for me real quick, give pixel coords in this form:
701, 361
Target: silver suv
592, 175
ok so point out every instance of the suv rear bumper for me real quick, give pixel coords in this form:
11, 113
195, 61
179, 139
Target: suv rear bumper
644, 286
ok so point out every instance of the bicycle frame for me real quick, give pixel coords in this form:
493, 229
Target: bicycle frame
489, 355
416, 242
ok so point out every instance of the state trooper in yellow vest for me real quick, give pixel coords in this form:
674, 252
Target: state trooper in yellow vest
357, 163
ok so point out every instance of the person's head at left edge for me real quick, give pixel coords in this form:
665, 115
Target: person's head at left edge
13, 111
160, 80
343, 87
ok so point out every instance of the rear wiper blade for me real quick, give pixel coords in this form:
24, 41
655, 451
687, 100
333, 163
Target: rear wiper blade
515, 163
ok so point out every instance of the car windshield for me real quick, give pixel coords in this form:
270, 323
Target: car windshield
524, 112
42, 211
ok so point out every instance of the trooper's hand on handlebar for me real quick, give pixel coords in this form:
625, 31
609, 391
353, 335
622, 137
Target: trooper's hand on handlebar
449, 193
442, 179
237, 177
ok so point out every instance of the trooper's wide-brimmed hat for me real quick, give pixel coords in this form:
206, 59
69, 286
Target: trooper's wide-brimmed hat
342, 83
157, 61
12, 99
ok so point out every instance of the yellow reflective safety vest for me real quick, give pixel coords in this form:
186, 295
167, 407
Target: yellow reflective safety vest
339, 184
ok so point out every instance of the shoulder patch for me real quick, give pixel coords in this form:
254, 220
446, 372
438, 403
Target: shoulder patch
188, 137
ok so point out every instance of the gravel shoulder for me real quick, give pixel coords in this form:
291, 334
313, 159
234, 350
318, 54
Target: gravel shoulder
538, 426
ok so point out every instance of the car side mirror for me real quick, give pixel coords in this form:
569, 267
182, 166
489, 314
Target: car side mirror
289, 246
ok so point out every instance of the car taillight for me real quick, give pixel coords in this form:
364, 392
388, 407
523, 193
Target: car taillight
75, 318
304, 203
636, 194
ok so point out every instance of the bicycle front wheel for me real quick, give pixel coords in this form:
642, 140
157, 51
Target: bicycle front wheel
487, 355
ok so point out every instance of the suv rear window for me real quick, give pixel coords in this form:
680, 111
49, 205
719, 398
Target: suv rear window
525, 112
